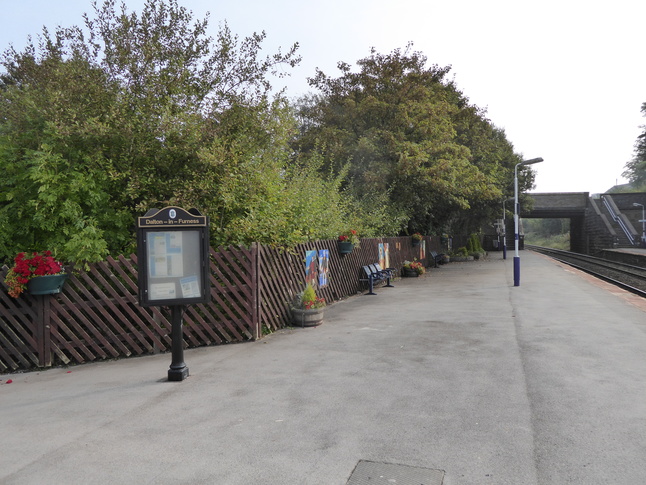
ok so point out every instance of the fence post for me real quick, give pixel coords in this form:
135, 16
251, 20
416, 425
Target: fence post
255, 291
43, 330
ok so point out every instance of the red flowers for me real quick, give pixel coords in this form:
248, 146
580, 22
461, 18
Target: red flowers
416, 266
308, 299
350, 236
317, 303
40, 264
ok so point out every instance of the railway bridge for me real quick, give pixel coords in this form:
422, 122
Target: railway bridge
597, 222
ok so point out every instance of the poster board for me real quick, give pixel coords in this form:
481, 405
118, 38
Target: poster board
310, 268
384, 255
324, 267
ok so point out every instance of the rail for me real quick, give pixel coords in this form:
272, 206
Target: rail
629, 277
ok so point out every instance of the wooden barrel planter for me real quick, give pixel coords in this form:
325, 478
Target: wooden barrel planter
307, 318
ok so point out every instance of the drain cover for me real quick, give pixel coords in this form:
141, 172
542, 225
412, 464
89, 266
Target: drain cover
373, 473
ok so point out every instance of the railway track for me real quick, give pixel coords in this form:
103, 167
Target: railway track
626, 276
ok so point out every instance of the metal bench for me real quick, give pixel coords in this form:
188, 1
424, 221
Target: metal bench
437, 258
375, 274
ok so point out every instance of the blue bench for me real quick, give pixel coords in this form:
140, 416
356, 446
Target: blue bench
374, 274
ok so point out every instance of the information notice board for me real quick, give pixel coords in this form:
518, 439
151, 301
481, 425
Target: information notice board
173, 257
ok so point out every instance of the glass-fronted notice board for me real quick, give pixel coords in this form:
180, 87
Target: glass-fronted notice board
173, 265
173, 258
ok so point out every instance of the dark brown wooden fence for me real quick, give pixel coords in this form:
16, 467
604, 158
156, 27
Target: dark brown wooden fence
97, 316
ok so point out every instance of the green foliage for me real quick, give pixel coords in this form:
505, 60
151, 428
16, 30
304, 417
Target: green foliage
309, 294
142, 110
636, 168
461, 251
474, 245
556, 241
546, 227
551, 233
308, 300
96, 129
255, 192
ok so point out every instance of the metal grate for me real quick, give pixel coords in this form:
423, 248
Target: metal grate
373, 473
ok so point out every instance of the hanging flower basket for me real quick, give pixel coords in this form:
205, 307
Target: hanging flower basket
347, 241
38, 274
46, 285
345, 247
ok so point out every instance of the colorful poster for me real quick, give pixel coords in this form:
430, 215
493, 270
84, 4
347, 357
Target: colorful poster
422, 251
384, 256
310, 267
324, 267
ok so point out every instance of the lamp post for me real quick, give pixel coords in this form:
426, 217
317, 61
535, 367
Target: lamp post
504, 232
516, 212
504, 228
643, 221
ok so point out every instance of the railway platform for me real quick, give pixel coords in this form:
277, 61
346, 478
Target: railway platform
634, 256
457, 374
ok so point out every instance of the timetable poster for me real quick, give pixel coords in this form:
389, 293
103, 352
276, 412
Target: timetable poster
165, 254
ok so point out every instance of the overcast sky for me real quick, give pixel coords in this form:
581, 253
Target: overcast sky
565, 79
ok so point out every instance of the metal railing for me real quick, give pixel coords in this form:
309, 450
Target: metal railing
618, 219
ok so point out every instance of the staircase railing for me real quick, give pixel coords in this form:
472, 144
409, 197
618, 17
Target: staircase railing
616, 216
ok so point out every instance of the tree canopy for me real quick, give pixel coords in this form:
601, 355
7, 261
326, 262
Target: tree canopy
100, 124
404, 129
132, 111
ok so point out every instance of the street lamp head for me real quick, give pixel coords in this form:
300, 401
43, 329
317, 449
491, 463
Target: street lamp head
532, 161
635, 204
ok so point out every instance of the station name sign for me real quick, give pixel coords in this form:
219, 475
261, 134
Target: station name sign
172, 216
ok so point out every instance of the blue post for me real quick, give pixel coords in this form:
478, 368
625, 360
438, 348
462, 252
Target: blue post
516, 271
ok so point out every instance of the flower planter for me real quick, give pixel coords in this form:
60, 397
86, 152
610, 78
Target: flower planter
47, 284
307, 318
345, 247
409, 273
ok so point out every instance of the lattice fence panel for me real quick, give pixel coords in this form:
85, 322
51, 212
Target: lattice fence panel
19, 332
282, 273
97, 316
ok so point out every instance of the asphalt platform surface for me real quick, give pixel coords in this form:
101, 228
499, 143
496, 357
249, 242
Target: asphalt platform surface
457, 371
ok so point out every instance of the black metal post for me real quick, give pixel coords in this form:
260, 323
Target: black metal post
178, 370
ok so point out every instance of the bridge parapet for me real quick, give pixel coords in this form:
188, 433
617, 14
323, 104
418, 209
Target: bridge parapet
558, 205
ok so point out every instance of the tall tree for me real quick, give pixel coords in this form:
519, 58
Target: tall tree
636, 168
407, 131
